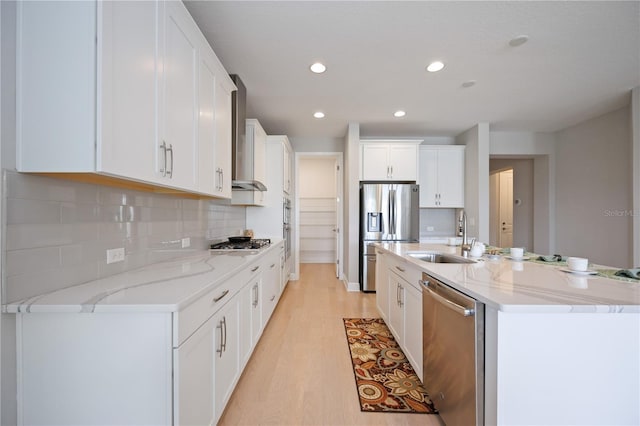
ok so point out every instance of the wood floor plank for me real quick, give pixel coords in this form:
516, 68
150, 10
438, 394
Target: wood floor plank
300, 372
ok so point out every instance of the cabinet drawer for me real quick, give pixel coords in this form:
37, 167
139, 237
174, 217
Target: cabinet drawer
187, 321
405, 270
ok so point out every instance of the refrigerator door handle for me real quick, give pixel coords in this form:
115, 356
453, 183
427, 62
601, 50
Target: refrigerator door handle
392, 200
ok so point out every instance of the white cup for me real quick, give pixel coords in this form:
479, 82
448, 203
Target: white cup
516, 252
476, 251
578, 263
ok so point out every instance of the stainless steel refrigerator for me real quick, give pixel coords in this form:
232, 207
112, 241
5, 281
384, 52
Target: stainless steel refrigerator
388, 212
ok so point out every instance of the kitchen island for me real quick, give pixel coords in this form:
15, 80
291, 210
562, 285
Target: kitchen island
559, 348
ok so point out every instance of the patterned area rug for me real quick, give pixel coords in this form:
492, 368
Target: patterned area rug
385, 380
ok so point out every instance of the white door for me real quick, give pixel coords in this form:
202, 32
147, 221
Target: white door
506, 208
403, 162
375, 162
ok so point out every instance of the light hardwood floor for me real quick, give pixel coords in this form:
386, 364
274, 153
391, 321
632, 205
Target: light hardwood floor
300, 372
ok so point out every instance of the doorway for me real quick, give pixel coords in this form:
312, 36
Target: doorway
319, 177
501, 208
512, 201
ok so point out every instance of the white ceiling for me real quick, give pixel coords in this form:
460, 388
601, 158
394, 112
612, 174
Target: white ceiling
581, 61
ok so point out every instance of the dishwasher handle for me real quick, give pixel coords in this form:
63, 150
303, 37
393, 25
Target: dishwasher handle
465, 312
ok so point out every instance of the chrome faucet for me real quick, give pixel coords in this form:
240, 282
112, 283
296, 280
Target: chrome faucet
462, 231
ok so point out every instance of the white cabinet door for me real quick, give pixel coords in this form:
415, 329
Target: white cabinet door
403, 162
451, 177
441, 177
395, 161
227, 351
396, 308
428, 179
126, 140
270, 286
194, 378
177, 151
287, 179
223, 139
207, 175
375, 165
382, 285
412, 344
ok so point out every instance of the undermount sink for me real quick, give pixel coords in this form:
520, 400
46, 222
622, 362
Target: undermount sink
440, 258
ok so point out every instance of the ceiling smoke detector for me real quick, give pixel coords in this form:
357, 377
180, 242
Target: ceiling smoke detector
518, 41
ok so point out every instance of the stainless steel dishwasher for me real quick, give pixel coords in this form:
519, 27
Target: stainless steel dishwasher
453, 352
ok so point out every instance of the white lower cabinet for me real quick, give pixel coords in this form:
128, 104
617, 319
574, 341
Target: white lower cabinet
226, 360
194, 378
270, 286
404, 312
382, 288
148, 368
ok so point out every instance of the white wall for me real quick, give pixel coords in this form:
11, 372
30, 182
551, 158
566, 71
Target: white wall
594, 190
317, 144
635, 123
351, 202
476, 200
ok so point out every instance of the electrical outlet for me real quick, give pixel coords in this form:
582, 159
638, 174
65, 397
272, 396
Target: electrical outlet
186, 242
430, 228
115, 255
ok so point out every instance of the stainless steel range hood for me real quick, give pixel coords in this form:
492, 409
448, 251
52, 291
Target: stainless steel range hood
242, 174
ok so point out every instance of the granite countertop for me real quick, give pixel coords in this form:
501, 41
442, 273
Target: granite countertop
161, 287
526, 286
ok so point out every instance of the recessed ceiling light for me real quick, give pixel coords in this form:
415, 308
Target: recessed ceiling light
318, 114
435, 66
318, 68
468, 83
518, 41
399, 113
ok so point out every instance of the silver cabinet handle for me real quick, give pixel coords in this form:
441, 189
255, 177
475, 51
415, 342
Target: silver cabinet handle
272, 265
273, 297
400, 269
465, 312
255, 269
255, 295
170, 149
220, 349
224, 343
401, 303
398, 294
219, 298
163, 170
221, 179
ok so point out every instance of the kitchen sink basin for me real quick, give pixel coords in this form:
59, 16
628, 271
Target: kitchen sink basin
440, 258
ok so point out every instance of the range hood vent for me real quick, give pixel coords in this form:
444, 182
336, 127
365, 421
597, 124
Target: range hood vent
241, 162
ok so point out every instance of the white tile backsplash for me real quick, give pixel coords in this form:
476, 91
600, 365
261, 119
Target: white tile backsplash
58, 231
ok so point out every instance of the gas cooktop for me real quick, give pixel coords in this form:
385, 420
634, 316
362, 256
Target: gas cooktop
255, 244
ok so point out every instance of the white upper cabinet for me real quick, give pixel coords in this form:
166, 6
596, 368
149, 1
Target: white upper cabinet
177, 150
441, 176
115, 88
214, 126
389, 160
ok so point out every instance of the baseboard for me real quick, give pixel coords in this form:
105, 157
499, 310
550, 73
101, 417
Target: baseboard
350, 286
